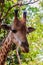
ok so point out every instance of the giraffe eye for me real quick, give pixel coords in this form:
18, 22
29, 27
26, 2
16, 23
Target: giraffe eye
14, 31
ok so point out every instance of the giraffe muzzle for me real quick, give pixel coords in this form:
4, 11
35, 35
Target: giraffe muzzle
25, 47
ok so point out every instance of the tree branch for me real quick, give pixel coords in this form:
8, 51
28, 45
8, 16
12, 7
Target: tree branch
18, 4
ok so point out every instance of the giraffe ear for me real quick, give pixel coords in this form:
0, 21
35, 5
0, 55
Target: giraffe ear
30, 29
5, 26
1, 1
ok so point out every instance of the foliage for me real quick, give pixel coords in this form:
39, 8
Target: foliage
35, 39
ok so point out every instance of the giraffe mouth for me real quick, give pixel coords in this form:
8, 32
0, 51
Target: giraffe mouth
25, 50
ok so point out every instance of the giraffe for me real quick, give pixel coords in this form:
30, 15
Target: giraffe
5, 48
18, 37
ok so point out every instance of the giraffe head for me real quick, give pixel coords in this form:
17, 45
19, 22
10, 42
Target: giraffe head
22, 31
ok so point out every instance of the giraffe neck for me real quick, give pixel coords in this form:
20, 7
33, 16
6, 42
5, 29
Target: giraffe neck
5, 49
